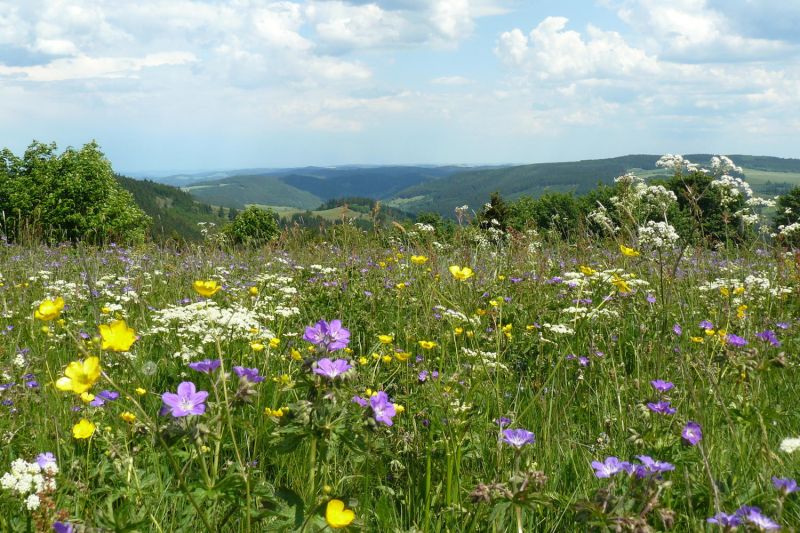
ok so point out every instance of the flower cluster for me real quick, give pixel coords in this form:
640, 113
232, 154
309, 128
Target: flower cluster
30, 479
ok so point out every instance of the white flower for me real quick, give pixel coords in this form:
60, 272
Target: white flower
32, 503
658, 235
790, 445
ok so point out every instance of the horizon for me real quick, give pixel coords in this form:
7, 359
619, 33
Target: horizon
223, 84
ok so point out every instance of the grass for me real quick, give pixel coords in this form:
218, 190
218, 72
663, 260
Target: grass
509, 342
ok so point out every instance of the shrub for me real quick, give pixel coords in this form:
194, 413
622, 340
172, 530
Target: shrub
253, 227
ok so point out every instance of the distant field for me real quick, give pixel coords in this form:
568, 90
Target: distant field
328, 214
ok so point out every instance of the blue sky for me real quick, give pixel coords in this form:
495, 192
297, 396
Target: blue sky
183, 85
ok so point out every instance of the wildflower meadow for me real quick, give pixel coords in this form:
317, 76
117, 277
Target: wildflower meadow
396, 380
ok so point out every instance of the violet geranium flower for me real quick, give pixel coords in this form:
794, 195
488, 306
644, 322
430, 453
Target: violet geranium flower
206, 366
382, 408
610, 467
330, 336
188, 400
662, 386
248, 374
332, 369
692, 433
518, 437
785, 485
662, 407
104, 396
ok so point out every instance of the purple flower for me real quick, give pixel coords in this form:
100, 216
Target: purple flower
651, 466
651, 299
45, 459
360, 401
518, 437
330, 336
332, 369
753, 516
785, 485
662, 386
677, 329
692, 433
63, 527
248, 374
188, 400
662, 407
502, 421
782, 325
769, 336
382, 408
705, 324
735, 340
610, 467
206, 366
104, 396
725, 520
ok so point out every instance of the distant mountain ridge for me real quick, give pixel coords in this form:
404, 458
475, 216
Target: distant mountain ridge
419, 188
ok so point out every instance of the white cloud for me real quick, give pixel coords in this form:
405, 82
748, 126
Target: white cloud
83, 67
691, 31
551, 51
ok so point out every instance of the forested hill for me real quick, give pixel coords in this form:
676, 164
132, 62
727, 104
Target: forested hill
175, 213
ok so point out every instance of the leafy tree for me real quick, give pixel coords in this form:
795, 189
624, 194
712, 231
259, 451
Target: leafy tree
495, 214
553, 211
254, 226
788, 213
69, 196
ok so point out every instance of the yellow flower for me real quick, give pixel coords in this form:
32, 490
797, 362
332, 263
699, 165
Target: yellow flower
296, 355
738, 290
741, 311
117, 336
386, 339
105, 310
458, 331
587, 271
620, 284
461, 273
49, 309
87, 397
80, 376
276, 412
206, 288
399, 408
386, 358
401, 285
419, 259
697, 339
256, 346
274, 342
362, 360
253, 291
628, 252
402, 356
426, 345
83, 429
337, 516
128, 417
724, 291
140, 391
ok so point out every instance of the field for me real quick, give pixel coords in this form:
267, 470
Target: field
389, 382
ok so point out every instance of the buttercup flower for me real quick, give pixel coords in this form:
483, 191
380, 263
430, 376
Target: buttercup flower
79, 376
117, 336
461, 273
206, 288
49, 309
188, 400
337, 516
628, 252
419, 259
83, 429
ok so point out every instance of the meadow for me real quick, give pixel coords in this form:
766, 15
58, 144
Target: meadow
399, 381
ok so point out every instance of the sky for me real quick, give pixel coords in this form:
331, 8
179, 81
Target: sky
180, 85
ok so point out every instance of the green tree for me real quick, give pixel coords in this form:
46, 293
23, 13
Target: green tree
69, 196
787, 212
554, 211
253, 227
